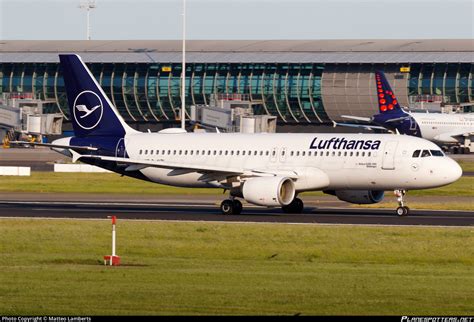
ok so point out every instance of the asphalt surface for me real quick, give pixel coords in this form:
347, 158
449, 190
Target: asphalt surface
195, 210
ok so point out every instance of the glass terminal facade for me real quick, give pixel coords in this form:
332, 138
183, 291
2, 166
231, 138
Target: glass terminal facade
293, 92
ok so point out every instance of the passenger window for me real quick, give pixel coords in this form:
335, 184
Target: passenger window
238, 152
309, 153
292, 153
267, 153
220, 152
146, 151
243, 152
437, 153
425, 153
141, 151
339, 153
297, 153
416, 154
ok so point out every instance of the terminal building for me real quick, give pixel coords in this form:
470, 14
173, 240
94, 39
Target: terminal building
301, 82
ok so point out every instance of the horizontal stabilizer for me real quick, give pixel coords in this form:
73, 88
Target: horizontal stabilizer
357, 118
50, 145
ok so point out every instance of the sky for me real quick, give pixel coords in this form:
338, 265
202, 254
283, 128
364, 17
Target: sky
238, 19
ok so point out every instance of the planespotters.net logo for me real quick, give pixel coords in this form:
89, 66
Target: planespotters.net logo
437, 319
88, 110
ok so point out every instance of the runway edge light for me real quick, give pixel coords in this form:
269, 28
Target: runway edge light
112, 260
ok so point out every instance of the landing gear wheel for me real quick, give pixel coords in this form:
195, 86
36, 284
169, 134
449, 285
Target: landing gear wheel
237, 207
403, 211
227, 207
294, 207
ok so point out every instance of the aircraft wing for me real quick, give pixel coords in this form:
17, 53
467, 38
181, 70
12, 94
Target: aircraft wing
210, 173
74, 147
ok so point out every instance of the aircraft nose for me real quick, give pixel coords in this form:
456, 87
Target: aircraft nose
453, 171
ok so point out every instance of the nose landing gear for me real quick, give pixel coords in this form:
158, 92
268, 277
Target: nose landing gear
402, 210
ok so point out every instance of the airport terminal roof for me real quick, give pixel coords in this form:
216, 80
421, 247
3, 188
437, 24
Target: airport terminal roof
243, 51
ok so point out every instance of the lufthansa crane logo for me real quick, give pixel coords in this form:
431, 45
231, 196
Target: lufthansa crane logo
88, 110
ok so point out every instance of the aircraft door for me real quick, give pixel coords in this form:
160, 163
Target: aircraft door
120, 151
388, 161
412, 124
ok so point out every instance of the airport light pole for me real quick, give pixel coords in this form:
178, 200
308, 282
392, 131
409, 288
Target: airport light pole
88, 5
183, 72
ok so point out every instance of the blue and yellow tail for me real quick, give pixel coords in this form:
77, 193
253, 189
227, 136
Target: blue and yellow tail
91, 111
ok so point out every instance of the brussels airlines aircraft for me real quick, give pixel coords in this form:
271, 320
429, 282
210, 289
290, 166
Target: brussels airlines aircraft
264, 169
436, 127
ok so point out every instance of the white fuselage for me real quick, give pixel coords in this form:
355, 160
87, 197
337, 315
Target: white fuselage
386, 165
444, 128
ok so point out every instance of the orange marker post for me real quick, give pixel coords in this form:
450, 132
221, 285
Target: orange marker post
113, 259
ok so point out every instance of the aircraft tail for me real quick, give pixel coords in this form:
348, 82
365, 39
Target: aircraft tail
91, 111
386, 98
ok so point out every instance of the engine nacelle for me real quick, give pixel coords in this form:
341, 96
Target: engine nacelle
358, 196
269, 191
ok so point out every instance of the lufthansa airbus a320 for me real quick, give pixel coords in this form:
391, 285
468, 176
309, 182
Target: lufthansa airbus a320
264, 169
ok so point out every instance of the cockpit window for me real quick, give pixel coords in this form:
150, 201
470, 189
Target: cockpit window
416, 154
437, 153
425, 153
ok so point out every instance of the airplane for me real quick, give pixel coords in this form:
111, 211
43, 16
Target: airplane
264, 169
441, 128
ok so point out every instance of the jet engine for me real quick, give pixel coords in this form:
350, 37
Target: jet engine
358, 196
269, 191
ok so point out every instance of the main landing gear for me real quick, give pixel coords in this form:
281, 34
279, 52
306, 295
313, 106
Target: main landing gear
234, 207
402, 210
231, 207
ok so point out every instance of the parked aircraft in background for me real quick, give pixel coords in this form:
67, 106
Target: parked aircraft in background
264, 169
441, 128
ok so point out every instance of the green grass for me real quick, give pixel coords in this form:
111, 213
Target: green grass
466, 165
54, 267
112, 183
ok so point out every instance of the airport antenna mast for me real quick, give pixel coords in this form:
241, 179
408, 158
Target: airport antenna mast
183, 72
88, 5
